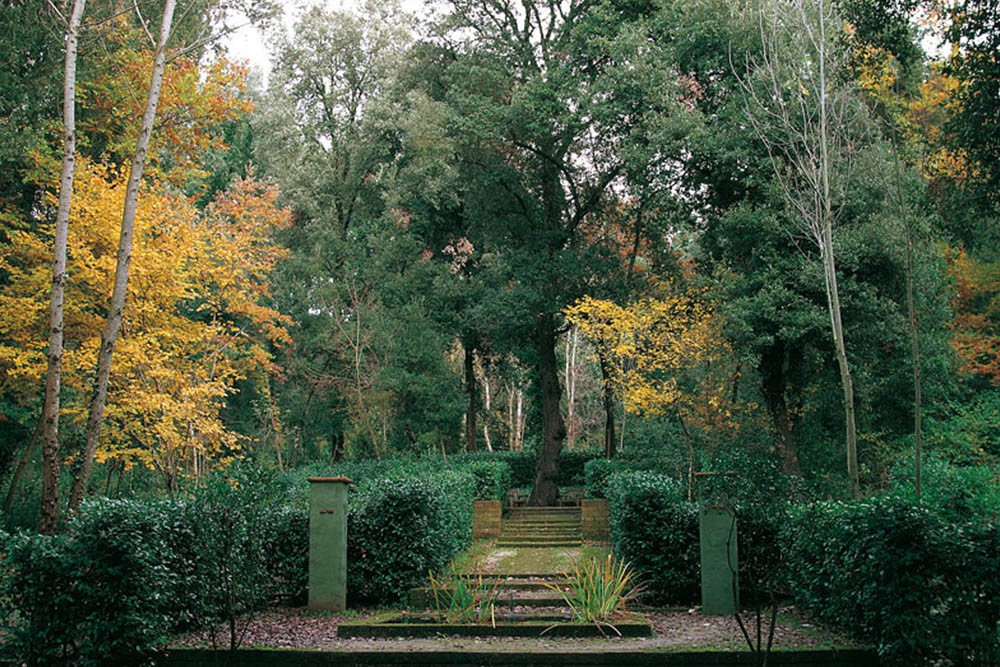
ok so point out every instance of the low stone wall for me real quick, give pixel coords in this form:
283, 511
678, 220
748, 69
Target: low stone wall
486, 519
594, 517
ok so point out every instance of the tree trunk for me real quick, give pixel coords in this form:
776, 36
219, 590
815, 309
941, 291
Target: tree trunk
109, 337
572, 426
15, 479
488, 405
608, 396
546, 489
830, 270
472, 393
911, 312
913, 325
774, 385
53, 376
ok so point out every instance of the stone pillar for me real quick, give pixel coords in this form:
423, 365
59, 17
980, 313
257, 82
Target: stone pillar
594, 520
487, 516
719, 561
328, 543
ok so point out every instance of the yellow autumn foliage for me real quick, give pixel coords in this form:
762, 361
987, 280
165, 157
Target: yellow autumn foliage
663, 354
196, 316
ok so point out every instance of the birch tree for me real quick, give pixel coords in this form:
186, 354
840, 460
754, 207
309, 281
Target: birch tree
50, 411
809, 123
117, 304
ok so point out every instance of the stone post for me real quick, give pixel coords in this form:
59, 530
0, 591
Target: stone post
594, 519
719, 561
487, 518
328, 543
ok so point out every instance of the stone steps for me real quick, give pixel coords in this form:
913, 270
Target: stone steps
541, 527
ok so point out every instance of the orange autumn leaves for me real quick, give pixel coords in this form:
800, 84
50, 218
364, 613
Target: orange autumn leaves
976, 326
195, 101
196, 316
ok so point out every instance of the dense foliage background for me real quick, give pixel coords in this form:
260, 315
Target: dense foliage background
671, 236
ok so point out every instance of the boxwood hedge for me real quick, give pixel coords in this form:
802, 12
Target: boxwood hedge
655, 529
126, 574
894, 573
401, 529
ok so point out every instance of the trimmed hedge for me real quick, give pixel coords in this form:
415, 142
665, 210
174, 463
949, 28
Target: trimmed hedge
493, 479
127, 574
107, 592
893, 573
655, 529
522, 465
399, 530
492, 471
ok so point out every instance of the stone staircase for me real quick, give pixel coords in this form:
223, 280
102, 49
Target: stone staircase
541, 527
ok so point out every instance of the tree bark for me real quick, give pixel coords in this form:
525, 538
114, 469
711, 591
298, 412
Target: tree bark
804, 140
572, 425
830, 269
53, 376
472, 394
109, 337
546, 489
608, 398
774, 367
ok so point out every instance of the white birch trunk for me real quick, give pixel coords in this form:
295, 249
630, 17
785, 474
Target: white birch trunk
53, 377
112, 326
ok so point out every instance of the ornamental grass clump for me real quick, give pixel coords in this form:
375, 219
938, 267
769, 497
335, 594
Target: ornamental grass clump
599, 591
459, 599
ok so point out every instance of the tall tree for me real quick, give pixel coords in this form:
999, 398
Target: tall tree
553, 106
53, 378
117, 304
806, 123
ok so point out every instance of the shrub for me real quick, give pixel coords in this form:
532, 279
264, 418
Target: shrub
595, 476
956, 492
39, 601
597, 470
521, 464
893, 573
229, 518
655, 529
286, 549
572, 466
401, 529
106, 592
492, 478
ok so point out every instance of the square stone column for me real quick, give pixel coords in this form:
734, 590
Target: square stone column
328, 543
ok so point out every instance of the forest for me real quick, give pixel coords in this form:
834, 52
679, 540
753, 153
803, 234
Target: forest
698, 234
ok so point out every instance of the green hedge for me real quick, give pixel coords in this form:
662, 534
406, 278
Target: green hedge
104, 593
522, 465
399, 530
893, 573
597, 470
126, 574
655, 529
493, 478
